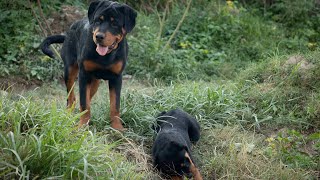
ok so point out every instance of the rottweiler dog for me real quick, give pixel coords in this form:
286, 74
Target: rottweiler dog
171, 149
96, 48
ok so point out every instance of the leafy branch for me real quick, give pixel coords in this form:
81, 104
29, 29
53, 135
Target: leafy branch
179, 25
42, 19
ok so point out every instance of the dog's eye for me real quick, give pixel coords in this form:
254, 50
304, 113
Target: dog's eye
97, 22
113, 24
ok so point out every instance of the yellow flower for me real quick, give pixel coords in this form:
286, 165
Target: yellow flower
185, 45
230, 3
312, 45
270, 139
272, 145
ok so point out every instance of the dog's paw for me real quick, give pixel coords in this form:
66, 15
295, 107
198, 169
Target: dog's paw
118, 126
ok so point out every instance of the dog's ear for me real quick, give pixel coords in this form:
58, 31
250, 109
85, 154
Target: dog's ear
130, 16
193, 129
91, 11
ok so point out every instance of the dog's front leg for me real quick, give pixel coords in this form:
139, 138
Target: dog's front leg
114, 93
84, 88
193, 169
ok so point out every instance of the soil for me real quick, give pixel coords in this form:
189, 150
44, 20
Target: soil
60, 22
17, 84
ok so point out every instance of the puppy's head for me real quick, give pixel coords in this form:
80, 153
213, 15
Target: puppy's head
174, 160
110, 22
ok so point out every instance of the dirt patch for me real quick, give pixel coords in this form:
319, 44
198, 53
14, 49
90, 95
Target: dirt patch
18, 84
302, 64
60, 22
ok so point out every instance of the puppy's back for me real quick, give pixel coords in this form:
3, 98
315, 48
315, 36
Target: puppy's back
178, 118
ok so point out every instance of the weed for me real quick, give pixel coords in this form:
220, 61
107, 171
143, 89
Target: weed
295, 149
231, 153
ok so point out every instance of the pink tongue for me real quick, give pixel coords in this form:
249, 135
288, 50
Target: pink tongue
102, 50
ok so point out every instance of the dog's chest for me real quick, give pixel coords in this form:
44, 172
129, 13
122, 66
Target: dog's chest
90, 66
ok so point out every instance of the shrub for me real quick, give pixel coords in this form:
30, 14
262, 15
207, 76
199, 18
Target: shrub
214, 40
19, 46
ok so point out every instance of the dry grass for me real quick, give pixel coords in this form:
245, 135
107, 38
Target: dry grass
223, 152
232, 153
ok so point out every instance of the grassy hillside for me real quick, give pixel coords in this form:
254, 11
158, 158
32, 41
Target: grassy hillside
239, 140
248, 71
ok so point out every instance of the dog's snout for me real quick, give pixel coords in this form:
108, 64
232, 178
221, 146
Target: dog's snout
99, 36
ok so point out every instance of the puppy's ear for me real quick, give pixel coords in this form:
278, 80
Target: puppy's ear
193, 129
130, 16
91, 11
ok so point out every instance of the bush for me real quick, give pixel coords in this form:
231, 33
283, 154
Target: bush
299, 18
19, 46
214, 40
217, 38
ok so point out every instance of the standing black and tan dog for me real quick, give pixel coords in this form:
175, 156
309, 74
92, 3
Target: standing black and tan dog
96, 48
171, 149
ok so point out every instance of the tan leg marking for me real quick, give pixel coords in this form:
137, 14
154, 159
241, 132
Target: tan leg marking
94, 87
114, 113
73, 73
85, 118
176, 177
193, 169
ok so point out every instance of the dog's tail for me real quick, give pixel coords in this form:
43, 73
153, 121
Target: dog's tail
51, 40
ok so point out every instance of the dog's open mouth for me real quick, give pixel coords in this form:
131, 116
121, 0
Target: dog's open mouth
103, 50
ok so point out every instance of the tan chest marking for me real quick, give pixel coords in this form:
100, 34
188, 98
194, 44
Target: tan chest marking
117, 67
91, 66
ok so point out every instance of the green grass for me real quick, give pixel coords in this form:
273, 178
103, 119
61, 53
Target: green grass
256, 127
39, 140
232, 153
228, 66
289, 92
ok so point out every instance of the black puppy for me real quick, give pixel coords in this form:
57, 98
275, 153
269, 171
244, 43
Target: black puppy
171, 151
96, 48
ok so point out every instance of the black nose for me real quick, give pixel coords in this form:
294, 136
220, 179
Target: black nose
100, 37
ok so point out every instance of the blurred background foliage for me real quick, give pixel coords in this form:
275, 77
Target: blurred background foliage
217, 38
